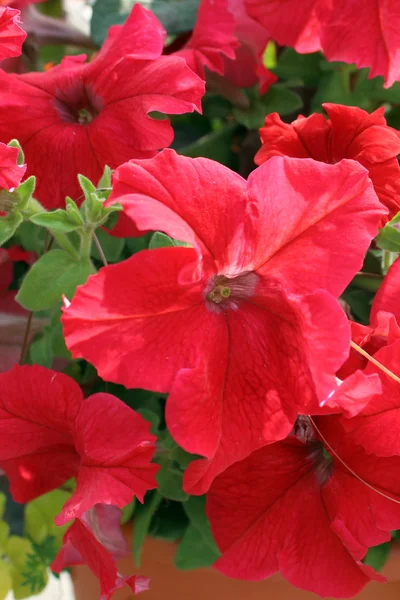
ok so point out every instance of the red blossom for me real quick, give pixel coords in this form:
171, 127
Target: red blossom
368, 36
95, 539
11, 173
350, 132
51, 433
64, 118
291, 23
212, 38
290, 507
220, 325
12, 35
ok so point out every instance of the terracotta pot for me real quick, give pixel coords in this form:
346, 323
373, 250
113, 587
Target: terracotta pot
167, 583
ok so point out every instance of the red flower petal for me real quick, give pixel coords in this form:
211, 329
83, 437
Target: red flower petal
12, 35
74, 108
289, 23
284, 508
10, 172
369, 37
338, 194
387, 297
350, 132
174, 332
87, 542
50, 434
212, 38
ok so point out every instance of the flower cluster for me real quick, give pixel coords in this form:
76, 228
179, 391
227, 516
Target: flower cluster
222, 351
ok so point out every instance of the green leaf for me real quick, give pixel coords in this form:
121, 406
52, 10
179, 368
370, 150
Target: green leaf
170, 480
216, 145
278, 99
127, 512
389, 238
21, 157
198, 548
106, 178
169, 522
5, 579
87, 186
9, 225
25, 191
40, 351
303, 66
31, 237
58, 220
377, 556
73, 211
20, 553
4, 534
3, 504
177, 16
161, 240
39, 517
53, 275
143, 515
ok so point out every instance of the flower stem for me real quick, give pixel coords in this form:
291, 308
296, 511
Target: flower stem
100, 249
368, 281
86, 243
26, 338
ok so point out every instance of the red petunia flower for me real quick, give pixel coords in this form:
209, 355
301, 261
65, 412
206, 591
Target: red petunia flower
291, 23
219, 325
212, 38
95, 539
367, 35
350, 132
247, 68
11, 173
290, 507
66, 117
12, 36
51, 433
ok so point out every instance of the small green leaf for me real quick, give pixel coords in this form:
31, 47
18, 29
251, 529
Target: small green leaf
105, 180
127, 512
4, 534
15, 144
278, 99
193, 552
20, 552
3, 504
306, 67
40, 351
143, 515
87, 186
389, 238
39, 516
53, 275
169, 521
8, 226
170, 481
5, 579
58, 220
161, 240
216, 145
377, 556
73, 211
25, 191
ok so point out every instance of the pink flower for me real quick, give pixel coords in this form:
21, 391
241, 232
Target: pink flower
221, 325
95, 539
51, 433
65, 118
12, 35
294, 507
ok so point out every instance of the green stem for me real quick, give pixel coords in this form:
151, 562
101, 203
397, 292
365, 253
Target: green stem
388, 260
86, 243
366, 281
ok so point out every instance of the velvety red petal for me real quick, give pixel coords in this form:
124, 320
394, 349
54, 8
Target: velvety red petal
140, 326
304, 138
204, 205
10, 172
388, 295
377, 428
212, 38
81, 546
369, 37
267, 515
319, 204
352, 395
12, 35
289, 23
38, 408
273, 367
115, 449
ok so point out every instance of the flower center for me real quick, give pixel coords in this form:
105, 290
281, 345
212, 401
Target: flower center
227, 292
317, 453
77, 104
